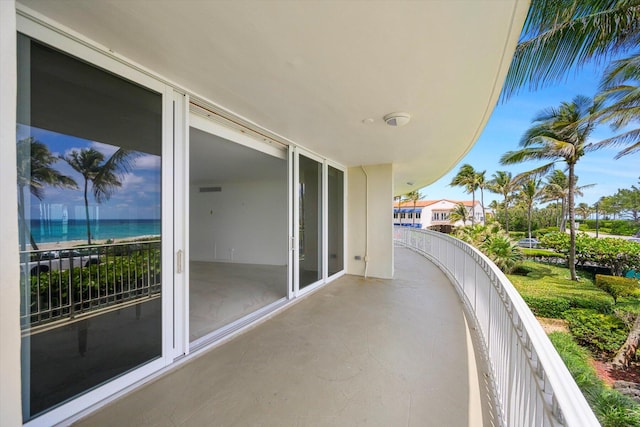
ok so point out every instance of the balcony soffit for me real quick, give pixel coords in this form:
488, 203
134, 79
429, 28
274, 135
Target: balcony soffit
314, 72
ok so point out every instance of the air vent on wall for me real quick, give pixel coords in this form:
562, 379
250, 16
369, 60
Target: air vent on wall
210, 189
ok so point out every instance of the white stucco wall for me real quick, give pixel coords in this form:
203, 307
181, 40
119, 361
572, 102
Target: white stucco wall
10, 405
245, 222
375, 208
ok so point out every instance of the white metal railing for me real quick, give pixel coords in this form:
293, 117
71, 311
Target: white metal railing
533, 386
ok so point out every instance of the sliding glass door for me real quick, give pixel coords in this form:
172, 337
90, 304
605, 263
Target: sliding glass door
310, 210
90, 192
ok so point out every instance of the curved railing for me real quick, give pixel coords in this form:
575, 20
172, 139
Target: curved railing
532, 385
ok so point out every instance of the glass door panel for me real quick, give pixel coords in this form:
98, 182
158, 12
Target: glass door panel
310, 221
238, 237
89, 189
335, 238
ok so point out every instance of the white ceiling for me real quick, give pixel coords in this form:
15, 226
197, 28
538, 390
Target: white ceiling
313, 71
214, 160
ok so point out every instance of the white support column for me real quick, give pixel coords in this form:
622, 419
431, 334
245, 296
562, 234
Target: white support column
370, 221
10, 403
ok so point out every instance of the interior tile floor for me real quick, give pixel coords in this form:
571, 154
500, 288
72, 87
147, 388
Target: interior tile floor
220, 293
357, 352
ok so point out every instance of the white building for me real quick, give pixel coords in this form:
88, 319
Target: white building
267, 153
434, 214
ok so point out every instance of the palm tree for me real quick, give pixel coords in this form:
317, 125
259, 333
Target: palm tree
413, 196
459, 213
34, 170
620, 89
504, 184
529, 193
559, 35
557, 188
103, 175
468, 179
584, 210
559, 134
481, 182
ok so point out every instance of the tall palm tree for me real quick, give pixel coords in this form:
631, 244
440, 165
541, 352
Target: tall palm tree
559, 134
481, 182
529, 193
104, 176
413, 196
503, 184
34, 170
560, 35
468, 179
620, 90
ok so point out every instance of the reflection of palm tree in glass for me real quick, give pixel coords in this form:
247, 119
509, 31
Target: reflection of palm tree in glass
34, 170
104, 176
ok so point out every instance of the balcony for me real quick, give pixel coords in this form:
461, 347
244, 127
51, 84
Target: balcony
415, 350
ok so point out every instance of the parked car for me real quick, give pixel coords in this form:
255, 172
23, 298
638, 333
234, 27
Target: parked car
634, 239
528, 243
59, 260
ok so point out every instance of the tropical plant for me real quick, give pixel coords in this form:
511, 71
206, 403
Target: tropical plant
104, 176
529, 193
34, 170
502, 251
560, 35
503, 183
584, 210
459, 213
467, 177
620, 90
559, 134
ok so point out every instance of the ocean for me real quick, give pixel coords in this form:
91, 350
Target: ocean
56, 231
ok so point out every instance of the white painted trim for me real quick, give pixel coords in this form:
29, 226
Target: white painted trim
214, 128
181, 224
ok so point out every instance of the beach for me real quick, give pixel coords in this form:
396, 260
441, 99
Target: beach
78, 243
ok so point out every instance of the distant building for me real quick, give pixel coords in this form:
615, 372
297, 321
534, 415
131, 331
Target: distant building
433, 214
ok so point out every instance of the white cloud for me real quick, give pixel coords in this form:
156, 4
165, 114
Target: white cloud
148, 161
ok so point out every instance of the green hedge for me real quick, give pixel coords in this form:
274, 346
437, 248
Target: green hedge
617, 286
601, 333
552, 306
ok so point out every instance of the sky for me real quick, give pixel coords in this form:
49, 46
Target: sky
511, 119
139, 197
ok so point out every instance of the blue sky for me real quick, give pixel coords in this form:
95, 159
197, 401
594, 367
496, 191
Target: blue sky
138, 198
509, 121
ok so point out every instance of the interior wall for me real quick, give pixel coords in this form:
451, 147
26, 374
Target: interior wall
246, 222
10, 390
370, 201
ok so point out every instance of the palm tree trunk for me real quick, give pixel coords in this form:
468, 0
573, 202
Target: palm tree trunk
473, 207
506, 214
484, 217
563, 214
572, 225
86, 211
529, 222
413, 216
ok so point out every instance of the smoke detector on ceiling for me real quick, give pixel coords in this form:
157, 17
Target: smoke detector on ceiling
397, 119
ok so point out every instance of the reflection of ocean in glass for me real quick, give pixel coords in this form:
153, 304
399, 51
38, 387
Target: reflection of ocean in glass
67, 229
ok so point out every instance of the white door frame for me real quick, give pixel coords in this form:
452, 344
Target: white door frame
83, 49
295, 261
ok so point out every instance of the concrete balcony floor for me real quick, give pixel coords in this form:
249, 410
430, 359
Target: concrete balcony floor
357, 352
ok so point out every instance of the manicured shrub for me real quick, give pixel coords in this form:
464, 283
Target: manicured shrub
617, 286
547, 306
602, 333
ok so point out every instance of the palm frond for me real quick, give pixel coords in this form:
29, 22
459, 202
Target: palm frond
559, 35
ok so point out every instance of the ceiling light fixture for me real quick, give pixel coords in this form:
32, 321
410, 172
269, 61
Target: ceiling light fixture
397, 119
